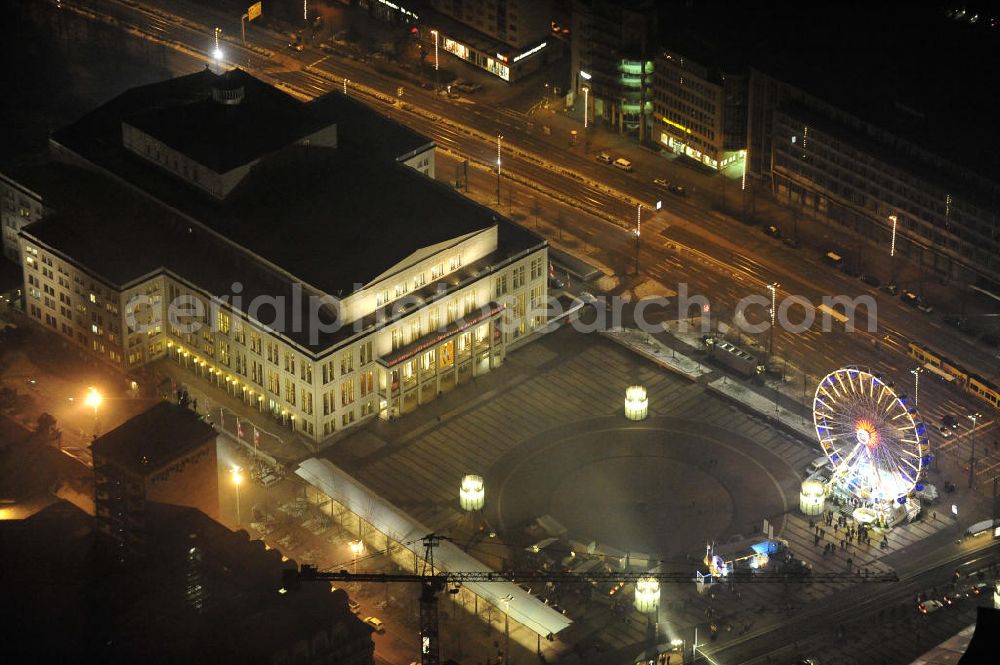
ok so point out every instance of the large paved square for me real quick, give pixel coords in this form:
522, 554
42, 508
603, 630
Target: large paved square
548, 432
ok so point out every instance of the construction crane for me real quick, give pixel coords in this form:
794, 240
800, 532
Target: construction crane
433, 582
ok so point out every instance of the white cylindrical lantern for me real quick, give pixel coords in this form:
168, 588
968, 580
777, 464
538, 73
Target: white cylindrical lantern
636, 403
647, 595
812, 497
472, 494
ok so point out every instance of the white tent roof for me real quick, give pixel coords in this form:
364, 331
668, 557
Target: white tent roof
340, 486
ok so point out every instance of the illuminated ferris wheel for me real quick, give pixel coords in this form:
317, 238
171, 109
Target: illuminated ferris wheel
877, 448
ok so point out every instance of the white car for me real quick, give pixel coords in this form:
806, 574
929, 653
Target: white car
930, 606
380, 627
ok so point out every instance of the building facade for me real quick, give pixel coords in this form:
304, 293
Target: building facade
612, 53
426, 293
507, 38
838, 166
19, 206
164, 455
699, 111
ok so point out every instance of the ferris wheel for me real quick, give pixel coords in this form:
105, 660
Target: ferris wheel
877, 448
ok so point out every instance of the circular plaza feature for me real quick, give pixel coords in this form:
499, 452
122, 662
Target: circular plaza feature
664, 487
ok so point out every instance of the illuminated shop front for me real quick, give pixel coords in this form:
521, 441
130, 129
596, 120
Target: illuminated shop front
507, 67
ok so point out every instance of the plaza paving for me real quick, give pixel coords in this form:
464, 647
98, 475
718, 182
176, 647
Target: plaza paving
526, 426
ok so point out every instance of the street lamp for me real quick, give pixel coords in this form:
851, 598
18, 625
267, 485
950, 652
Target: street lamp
499, 138
357, 547
93, 400
892, 250
437, 83
237, 481
638, 234
217, 53
972, 458
506, 627
773, 288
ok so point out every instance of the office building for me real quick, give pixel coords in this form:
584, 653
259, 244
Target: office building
700, 111
613, 47
326, 278
883, 138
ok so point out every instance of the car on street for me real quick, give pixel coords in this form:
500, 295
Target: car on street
949, 421
354, 605
296, 46
791, 242
623, 164
677, 190
929, 607
376, 624
945, 431
979, 588
925, 306
773, 231
834, 259
871, 280
604, 158
909, 297
662, 184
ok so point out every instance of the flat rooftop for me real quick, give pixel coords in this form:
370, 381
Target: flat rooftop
154, 438
331, 218
910, 69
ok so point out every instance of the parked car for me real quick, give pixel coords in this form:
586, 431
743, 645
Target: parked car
772, 231
678, 190
949, 421
945, 431
604, 157
623, 164
924, 306
909, 297
661, 183
376, 624
871, 280
354, 605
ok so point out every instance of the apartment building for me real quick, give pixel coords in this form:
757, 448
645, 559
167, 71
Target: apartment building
163, 455
700, 111
329, 282
613, 47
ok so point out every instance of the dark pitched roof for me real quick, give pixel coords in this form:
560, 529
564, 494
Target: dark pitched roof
154, 438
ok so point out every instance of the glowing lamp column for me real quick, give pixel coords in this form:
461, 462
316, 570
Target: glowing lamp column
647, 595
812, 497
472, 494
636, 403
